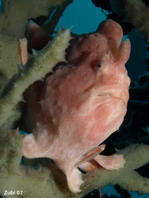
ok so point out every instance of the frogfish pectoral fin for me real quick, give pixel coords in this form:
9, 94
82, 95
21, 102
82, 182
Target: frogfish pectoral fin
89, 166
112, 162
91, 154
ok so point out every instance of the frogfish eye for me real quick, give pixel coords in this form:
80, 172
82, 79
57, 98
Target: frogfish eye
98, 65
95, 64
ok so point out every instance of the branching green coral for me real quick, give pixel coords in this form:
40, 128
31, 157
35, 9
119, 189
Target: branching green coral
9, 58
13, 20
135, 156
33, 183
36, 68
30, 180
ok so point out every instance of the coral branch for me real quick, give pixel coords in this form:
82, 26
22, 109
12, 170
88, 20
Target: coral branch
29, 179
9, 58
134, 182
36, 69
135, 156
138, 14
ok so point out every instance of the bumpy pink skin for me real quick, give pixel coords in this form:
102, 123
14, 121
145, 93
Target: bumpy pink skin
80, 105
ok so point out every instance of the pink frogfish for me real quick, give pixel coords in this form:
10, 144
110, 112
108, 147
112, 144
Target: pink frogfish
80, 105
